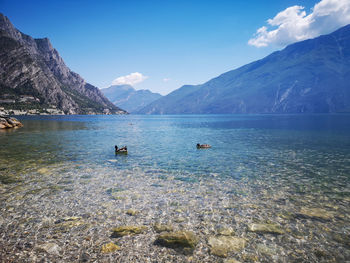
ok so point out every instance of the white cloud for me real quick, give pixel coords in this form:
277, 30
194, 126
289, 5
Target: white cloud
131, 79
294, 24
166, 79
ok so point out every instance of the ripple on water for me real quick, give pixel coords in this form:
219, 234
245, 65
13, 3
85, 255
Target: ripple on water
296, 195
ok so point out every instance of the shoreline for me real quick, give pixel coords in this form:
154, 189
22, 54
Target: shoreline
50, 112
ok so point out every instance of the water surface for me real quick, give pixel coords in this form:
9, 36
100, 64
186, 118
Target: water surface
280, 169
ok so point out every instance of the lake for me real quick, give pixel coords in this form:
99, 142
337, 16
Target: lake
276, 185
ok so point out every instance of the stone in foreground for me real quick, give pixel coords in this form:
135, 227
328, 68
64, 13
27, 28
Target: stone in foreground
127, 231
315, 213
163, 228
132, 212
50, 248
221, 246
266, 229
109, 248
225, 231
231, 260
185, 240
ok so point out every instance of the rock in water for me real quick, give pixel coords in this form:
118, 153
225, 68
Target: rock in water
163, 228
109, 248
225, 231
222, 245
266, 229
9, 122
50, 248
132, 212
315, 213
231, 260
185, 240
127, 231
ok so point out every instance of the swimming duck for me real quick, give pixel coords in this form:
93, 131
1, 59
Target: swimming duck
123, 150
203, 146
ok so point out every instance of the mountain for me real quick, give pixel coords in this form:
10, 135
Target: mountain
34, 78
312, 76
128, 98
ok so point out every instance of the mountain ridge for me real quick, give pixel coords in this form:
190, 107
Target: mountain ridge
307, 76
33, 77
129, 98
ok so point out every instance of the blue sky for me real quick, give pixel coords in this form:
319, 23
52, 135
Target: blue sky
167, 43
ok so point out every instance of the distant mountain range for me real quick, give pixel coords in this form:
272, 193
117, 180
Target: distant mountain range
126, 97
311, 76
34, 78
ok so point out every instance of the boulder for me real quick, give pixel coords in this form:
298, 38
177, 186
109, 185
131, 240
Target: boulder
109, 248
132, 212
185, 240
50, 248
231, 260
163, 228
266, 229
222, 245
315, 213
9, 122
127, 231
225, 231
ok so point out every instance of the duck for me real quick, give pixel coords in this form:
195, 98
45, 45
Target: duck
123, 150
203, 146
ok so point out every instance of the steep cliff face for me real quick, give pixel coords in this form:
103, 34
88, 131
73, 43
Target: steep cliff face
34, 76
311, 76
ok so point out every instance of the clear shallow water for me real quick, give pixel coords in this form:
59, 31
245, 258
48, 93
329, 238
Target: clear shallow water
261, 169
167, 142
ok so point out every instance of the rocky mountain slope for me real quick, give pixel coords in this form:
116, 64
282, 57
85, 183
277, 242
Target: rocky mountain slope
126, 97
311, 76
33, 77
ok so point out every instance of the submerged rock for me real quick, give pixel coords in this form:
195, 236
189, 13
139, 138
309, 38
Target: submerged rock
127, 231
67, 219
266, 229
181, 239
109, 248
286, 215
69, 222
225, 231
315, 213
179, 219
44, 171
263, 249
231, 260
132, 212
163, 228
222, 245
9, 179
50, 248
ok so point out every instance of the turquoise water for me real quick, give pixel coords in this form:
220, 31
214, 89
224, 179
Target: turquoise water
261, 168
167, 142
